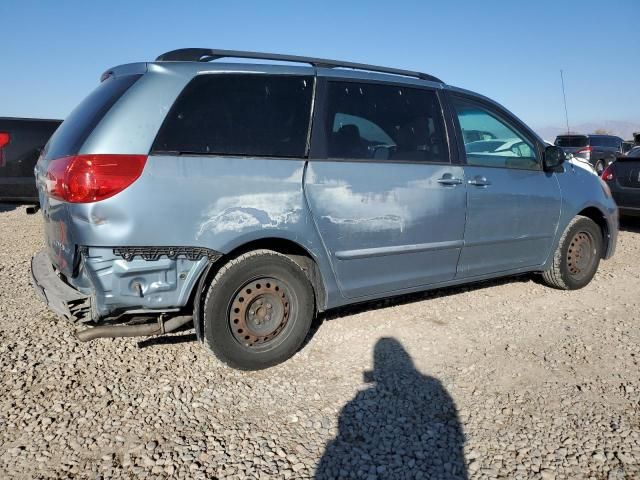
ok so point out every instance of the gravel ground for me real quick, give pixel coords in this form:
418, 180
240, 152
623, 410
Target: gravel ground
504, 379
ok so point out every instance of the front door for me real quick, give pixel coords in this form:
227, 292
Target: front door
513, 206
387, 203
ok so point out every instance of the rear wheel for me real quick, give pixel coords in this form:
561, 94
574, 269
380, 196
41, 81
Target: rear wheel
577, 257
258, 310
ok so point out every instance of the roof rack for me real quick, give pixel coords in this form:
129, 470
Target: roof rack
207, 54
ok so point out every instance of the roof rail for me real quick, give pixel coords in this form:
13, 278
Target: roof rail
207, 54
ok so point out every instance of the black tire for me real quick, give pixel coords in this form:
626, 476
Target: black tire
267, 325
577, 257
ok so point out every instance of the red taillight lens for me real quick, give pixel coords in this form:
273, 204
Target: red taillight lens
5, 138
607, 175
91, 178
585, 150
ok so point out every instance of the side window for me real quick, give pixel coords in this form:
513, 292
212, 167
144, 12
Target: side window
384, 122
490, 141
240, 114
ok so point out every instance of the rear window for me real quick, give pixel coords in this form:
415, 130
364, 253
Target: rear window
229, 114
77, 127
572, 141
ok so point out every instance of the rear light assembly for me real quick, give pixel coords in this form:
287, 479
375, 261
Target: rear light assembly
91, 178
607, 175
585, 151
5, 138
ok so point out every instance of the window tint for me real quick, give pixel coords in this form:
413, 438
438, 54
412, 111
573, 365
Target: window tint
499, 145
598, 141
231, 114
384, 122
572, 141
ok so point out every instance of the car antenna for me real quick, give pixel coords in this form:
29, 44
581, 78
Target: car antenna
564, 96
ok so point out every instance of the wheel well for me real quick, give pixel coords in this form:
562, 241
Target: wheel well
596, 215
289, 248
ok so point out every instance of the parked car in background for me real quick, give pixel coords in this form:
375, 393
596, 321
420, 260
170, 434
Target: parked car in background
246, 197
623, 178
577, 161
21, 141
599, 150
627, 146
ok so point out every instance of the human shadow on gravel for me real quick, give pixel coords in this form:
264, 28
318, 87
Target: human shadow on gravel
404, 426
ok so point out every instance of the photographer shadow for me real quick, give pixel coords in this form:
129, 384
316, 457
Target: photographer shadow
404, 426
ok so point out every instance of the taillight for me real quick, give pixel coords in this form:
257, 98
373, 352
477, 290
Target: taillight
5, 138
607, 175
586, 150
91, 178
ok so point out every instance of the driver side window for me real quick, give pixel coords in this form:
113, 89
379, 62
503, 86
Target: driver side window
491, 142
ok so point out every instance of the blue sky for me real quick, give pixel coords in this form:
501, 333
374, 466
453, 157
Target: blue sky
52, 53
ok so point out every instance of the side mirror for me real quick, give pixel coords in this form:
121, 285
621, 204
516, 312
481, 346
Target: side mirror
553, 158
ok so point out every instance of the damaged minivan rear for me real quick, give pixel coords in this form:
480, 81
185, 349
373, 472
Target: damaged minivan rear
243, 198
142, 189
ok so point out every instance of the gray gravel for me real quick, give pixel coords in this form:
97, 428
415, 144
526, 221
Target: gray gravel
508, 379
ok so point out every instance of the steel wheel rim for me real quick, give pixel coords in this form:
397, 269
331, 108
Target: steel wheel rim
581, 255
259, 312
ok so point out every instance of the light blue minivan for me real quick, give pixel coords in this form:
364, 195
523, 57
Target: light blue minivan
247, 197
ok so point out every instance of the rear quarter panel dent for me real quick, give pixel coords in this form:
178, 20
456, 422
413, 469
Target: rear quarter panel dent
219, 203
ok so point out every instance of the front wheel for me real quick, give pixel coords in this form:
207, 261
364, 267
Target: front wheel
258, 310
577, 257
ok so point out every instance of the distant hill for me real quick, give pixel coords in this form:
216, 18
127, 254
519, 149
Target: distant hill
622, 129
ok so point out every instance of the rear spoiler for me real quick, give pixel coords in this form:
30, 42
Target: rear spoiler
137, 68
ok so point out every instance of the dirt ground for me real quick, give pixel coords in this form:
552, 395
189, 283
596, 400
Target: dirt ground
505, 379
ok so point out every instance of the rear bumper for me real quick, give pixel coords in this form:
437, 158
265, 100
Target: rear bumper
60, 297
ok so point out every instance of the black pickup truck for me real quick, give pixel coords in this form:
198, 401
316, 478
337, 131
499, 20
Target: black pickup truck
21, 141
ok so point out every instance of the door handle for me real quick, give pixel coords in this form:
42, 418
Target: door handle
448, 179
479, 181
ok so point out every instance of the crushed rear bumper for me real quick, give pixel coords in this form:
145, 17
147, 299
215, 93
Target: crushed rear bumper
60, 297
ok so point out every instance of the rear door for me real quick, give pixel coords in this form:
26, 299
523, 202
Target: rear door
626, 175
386, 198
513, 206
